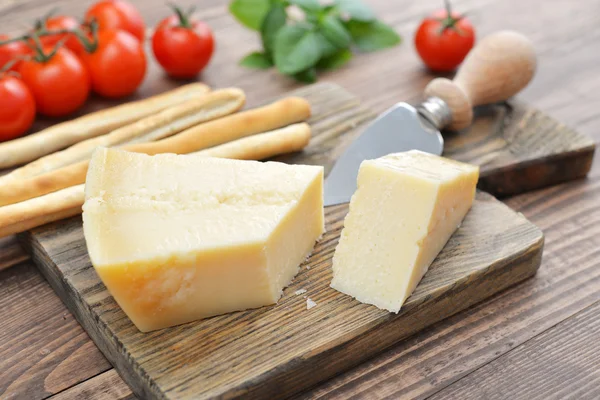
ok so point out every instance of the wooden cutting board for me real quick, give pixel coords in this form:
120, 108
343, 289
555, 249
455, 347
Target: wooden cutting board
280, 350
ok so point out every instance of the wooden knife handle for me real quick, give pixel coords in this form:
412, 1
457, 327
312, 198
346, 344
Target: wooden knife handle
497, 68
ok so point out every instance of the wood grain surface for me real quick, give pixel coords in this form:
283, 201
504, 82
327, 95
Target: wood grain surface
566, 86
106, 386
539, 359
10, 252
273, 350
45, 352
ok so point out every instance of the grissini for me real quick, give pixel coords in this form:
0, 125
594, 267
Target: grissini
275, 115
272, 116
67, 202
59, 136
154, 127
263, 145
28, 214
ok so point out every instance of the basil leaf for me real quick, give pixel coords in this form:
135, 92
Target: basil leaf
312, 6
335, 60
250, 12
307, 76
273, 22
356, 9
256, 60
335, 32
371, 36
331, 9
296, 49
305, 25
325, 46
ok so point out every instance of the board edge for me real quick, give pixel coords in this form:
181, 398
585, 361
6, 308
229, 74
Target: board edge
514, 179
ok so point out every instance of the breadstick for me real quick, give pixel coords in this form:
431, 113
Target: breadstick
166, 123
275, 115
67, 202
59, 136
208, 134
264, 145
29, 214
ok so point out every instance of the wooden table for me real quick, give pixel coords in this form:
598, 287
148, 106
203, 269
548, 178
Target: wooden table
538, 340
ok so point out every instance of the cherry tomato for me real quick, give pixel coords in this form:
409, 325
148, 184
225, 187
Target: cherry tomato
11, 51
118, 65
62, 22
59, 85
182, 46
115, 15
17, 107
444, 39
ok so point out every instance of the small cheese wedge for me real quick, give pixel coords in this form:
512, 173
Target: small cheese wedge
405, 209
177, 238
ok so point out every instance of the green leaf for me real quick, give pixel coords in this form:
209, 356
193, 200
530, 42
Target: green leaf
331, 9
325, 46
333, 29
256, 60
273, 22
335, 60
311, 18
312, 6
306, 25
371, 36
307, 76
296, 49
356, 9
250, 12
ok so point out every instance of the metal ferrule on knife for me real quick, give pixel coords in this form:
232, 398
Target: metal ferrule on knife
436, 111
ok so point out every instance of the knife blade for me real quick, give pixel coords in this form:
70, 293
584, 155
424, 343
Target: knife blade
497, 68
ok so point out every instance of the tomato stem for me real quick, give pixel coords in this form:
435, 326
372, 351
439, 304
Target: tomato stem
29, 36
90, 46
40, 24
184, 17
448, 7
50, 13
449, 22
59, 44
4, 69
38, 48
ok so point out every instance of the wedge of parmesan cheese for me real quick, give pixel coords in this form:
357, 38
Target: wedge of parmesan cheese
405, 209
177, 238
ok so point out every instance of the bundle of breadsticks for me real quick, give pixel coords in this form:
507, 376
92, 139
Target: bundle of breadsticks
190, 119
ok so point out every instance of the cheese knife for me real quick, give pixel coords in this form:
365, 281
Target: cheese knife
497, 68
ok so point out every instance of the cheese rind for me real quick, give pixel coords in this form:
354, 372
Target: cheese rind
405, 209
177, 238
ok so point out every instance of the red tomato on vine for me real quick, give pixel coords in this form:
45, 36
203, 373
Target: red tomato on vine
444, 39
117, 15
12, 51
182, 45
58, 80
17, 107
117, 64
